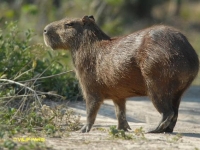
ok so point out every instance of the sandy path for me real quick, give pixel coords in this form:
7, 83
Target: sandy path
140, 113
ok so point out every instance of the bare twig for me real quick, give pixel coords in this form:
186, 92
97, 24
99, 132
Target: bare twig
49, 93
41, 74
30, 95
20, 84
47, 76
26, 87
23, 74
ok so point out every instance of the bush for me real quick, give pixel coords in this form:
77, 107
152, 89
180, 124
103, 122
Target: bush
23, 62
28, 74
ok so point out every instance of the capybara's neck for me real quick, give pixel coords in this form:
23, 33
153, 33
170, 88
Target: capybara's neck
94, 34
91, 43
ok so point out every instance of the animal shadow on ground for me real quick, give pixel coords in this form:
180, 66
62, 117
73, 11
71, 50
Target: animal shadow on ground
194, 135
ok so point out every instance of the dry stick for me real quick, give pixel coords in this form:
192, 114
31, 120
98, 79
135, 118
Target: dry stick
28, 95
48, 76
12, 97
41, 74
49, 93
18, 73
34, 81
23, 73
11, 81
20, 84
21, 106
43, 77
26, 87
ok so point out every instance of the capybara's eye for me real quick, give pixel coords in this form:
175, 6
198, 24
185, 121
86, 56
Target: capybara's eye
69, 25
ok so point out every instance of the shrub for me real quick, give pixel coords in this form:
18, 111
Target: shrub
22, 61
28, 74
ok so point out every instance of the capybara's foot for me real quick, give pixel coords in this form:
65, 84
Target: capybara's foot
164, 124
171, 126
168, 130
157, 130
124, 126
86, 128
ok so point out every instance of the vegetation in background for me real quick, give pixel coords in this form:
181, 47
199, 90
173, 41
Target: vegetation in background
32, 64
121, 134
115, 17
115, 133
30, 74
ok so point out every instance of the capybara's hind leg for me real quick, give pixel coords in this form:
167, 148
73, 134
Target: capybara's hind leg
164, 123
172, 124
175, 105
163, 105
120, 110
92, 105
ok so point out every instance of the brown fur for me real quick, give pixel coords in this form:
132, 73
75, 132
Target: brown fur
158, 62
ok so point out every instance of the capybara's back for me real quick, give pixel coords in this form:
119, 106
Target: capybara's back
158, 62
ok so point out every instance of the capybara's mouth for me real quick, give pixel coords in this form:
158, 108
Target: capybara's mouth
51, 39
47, 42
50, 42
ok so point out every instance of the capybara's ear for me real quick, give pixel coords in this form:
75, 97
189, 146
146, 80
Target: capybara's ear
88, 19
92, 18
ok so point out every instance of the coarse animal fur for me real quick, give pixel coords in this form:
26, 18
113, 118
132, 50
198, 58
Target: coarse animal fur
158, 62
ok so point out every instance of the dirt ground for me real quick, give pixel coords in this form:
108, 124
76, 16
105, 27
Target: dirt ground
140, 113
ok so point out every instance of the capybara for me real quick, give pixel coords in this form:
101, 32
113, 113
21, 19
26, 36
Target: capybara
157, 62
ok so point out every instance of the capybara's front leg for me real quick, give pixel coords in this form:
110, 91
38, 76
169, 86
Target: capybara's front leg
120, 110
92, 105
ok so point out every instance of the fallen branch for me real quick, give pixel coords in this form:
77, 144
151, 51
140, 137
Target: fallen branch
47, 76
23, 85
30, 95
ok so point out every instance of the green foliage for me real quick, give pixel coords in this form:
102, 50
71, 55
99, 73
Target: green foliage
139, 132
28, 74
113, 28
115, 133
30, 8
51, 121
175, 138
34, 146
9, 144
114, 2
10, 14
22, 61
121, 134
44, 121
14, 52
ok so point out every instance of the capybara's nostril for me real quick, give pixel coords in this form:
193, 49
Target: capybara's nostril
46, 29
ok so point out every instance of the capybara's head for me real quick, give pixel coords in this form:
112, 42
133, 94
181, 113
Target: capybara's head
69, 33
